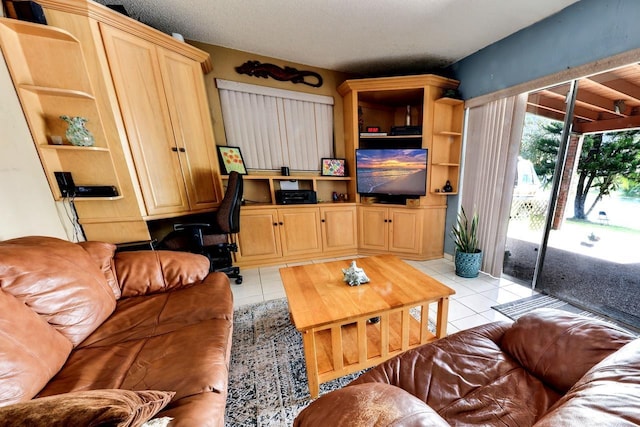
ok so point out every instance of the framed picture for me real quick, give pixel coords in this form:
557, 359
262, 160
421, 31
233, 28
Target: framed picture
231, 160
333, 167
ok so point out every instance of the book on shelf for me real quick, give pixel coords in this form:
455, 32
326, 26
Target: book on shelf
373, 134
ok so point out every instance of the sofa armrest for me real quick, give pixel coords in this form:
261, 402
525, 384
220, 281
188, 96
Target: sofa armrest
368, 405
147, 272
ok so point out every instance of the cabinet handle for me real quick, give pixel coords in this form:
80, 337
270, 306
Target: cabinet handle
281, 223
175, 149
275, 224
182, 149
386, 220
390, 221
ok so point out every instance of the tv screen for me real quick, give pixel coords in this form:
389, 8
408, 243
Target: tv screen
391, 171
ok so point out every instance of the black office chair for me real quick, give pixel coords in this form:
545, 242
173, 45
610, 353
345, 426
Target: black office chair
215, 241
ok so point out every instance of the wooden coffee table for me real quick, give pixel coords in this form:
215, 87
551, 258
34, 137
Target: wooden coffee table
335, 319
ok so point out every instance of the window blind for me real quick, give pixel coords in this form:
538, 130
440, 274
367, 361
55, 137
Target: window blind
275, 127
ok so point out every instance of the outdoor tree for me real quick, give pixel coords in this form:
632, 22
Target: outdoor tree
605, 161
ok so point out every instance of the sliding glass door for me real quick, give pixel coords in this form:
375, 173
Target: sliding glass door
573, 231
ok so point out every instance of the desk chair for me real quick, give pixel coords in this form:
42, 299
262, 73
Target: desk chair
216, 241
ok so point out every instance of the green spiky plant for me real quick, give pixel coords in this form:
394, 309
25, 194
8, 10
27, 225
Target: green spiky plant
465, 233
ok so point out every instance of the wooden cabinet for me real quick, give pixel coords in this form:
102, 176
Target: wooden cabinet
272, 235
300, 231
259, 237
52, 77
161, 95
143, 94
339, 228
397, 229
410, 112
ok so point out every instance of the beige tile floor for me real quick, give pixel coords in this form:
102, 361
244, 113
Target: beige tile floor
470, 306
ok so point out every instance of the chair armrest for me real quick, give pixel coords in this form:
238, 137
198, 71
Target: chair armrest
372, 404
147, 272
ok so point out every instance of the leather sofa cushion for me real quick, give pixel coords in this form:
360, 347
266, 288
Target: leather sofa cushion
558, 347
58, 280
31, 351
122, 408
142, 274
365, 405
467, 379
168, 341
103, 253
607, 395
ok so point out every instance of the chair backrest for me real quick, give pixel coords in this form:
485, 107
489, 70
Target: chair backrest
228, 215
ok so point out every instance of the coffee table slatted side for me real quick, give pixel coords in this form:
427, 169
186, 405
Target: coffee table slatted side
349, 347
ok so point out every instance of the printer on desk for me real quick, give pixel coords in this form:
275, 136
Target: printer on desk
296, 197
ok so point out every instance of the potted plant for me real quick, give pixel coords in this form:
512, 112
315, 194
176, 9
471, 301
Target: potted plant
468, 258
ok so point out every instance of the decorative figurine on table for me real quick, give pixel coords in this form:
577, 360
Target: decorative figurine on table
447, 187
354, 275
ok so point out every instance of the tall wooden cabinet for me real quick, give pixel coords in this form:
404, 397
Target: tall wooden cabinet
162, 97
144, 96
409, 112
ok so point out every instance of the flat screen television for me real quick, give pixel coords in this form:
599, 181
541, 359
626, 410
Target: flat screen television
391, 172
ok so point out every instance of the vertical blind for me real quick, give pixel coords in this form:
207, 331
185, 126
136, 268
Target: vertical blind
275, 127
494, 132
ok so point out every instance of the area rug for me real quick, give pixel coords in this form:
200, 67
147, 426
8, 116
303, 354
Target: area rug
517, 308
267, 377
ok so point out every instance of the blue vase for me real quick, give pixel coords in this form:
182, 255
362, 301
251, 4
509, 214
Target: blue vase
468, 264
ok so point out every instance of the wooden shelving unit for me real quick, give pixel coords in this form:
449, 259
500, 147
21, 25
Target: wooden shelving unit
447, 144
48, 66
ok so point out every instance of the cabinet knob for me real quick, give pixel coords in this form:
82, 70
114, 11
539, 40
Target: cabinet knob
281, 223
275, 224
175, 149
182, 149
322, 220
390, 221
385, 220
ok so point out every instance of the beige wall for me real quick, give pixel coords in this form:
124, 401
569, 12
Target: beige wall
26, 204
224, 62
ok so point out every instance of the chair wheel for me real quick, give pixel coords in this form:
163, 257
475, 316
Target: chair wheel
239, 280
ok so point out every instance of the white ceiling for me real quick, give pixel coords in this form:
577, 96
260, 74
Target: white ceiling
359, 36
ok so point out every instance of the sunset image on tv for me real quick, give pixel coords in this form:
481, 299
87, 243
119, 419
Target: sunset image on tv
392, 171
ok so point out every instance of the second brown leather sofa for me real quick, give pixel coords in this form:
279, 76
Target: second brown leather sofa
549, 368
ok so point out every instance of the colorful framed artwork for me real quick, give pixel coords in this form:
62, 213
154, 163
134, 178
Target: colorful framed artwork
231, 160
333, 167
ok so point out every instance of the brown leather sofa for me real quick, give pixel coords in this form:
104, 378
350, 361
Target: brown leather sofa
548, 369
79, 317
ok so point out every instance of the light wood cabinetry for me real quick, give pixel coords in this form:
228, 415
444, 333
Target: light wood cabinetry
52, 78
447, 144
395, 229
397, 105
143, 94
271, 235
161, 94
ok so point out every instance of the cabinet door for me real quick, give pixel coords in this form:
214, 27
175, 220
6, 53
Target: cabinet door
138, 82
373, 228
192, 131
300, 231
405, 230
259, 235
339, 227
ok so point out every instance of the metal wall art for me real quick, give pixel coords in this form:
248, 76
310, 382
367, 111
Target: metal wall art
258, 69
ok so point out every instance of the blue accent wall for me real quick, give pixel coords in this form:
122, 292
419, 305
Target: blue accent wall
582, 33
579, 34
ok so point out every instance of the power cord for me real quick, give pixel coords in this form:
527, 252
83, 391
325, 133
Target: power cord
72, 216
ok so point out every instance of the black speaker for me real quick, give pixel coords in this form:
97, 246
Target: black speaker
66, 184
